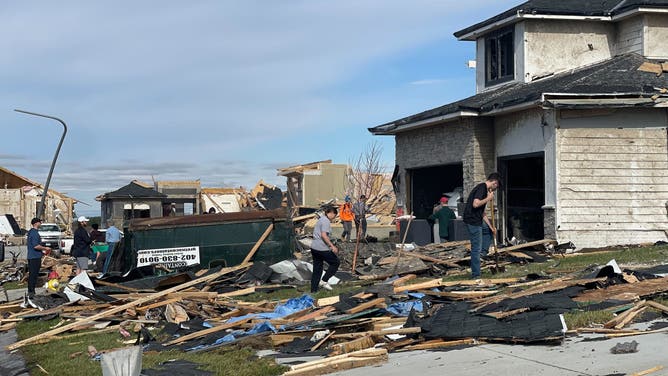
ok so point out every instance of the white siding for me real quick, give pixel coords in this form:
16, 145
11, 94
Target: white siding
630, 36
612, 186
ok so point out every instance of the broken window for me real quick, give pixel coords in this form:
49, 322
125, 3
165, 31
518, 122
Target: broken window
499, 57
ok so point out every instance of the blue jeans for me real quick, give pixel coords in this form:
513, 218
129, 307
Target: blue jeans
107, 261
481, 238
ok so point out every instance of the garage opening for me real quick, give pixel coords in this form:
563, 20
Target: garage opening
427, 185
523, 195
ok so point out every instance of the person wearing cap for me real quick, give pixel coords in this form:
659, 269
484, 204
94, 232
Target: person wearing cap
347, 216
443, 214
479, 227
81, 246
35, 252
360, 210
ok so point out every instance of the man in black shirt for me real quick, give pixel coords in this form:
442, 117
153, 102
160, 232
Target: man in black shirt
480, 229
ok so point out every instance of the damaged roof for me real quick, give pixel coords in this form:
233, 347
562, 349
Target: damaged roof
132, 190
618, 76
583, 8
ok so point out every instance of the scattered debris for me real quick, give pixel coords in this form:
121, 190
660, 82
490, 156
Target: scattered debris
625, 348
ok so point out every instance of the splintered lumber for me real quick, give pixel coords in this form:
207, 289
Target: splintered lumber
439, 343
648, 371
351, 346
204, 332
658, 306
239, 292
366, 305
553, 285
419, 286
257, 245
462, 295
637, 333
474, 282
613, 323
429, 258
158, 304
315, 315
605, 330
641, 289
352, 360
132, 304
525, 245
400, 281
380, 333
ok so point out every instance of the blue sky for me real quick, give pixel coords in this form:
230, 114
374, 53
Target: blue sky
221, 91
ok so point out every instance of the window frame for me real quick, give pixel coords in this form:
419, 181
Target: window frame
497, 39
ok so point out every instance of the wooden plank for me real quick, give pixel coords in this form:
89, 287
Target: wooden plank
315, 315
380, 333
158, 304
328, 301
439, 343
429, 258
379, 302
525, 245
207, 331
400, 281
647, 287
419, 286
658, 306
638, 333
355, 359
239, 292
357, 344
257, 245
132, 304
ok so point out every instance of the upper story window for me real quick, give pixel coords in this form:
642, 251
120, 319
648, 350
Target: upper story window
499, 56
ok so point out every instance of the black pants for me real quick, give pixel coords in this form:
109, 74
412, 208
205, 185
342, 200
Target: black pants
34, 265
319, 257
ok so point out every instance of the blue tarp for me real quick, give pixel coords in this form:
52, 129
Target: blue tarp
282, 310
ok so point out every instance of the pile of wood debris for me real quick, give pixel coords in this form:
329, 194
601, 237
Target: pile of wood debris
382, 312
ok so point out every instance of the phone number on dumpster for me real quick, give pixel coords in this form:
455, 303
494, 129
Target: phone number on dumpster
181, 256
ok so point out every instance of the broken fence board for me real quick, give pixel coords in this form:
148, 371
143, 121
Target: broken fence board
257, 245
204, 332
356, 359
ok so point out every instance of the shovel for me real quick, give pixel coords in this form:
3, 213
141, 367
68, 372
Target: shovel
496, 268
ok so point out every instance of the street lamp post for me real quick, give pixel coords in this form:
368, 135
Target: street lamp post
40, 211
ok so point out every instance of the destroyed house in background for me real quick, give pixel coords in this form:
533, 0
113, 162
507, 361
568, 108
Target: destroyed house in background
311, 184
135, 200
183, 198
571, 109
21, 197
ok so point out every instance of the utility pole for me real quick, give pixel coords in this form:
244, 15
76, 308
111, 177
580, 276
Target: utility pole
45, 194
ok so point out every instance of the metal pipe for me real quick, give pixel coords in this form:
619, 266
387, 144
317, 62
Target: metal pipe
45, 194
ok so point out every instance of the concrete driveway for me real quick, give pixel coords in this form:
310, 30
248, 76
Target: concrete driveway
574, 357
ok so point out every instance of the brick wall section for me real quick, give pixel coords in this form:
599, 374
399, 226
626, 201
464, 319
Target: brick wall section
469, 141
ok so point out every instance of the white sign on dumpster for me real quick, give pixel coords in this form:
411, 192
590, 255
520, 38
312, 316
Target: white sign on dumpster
170, 257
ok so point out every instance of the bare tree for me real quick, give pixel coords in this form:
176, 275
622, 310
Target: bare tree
365, 175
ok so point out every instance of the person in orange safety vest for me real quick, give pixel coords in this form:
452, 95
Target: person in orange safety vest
347, 217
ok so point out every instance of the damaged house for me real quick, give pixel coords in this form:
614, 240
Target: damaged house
571, 107
20, 197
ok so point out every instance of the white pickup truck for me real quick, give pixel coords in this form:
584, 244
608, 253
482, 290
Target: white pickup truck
50, 234
66, 245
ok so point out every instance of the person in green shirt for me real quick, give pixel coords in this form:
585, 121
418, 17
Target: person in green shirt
443, 214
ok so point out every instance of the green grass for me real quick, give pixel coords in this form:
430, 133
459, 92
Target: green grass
70, 356
13, 285
583, 319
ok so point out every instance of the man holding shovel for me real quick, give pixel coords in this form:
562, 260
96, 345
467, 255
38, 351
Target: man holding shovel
479, 227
